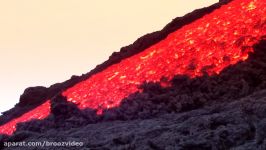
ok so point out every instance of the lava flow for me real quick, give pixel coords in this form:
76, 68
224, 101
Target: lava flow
215, 41
209, 44
39, 112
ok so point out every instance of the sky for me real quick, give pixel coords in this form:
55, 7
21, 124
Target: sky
43, 42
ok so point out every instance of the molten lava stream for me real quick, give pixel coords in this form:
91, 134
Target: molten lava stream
39, 112
217, 40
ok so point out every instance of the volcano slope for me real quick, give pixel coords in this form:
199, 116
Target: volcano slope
221, 109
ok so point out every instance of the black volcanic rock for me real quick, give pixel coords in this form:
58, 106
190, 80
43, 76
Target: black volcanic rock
33, 95
220, 126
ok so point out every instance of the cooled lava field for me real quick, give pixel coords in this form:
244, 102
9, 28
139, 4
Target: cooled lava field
198, 84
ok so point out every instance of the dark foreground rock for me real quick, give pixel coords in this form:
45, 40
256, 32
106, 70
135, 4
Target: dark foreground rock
238, 125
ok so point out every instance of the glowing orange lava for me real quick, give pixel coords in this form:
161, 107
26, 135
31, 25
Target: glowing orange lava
39, 112
217, 40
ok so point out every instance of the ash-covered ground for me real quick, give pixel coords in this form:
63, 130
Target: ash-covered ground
225, 111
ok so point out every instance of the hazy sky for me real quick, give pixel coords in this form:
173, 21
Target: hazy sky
46, 41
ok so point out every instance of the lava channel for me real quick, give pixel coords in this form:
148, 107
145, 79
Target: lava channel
209, 44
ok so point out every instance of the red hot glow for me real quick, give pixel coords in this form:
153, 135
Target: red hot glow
217, 40
39, 112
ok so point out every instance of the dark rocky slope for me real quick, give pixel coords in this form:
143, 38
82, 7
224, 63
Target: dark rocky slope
238, 125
